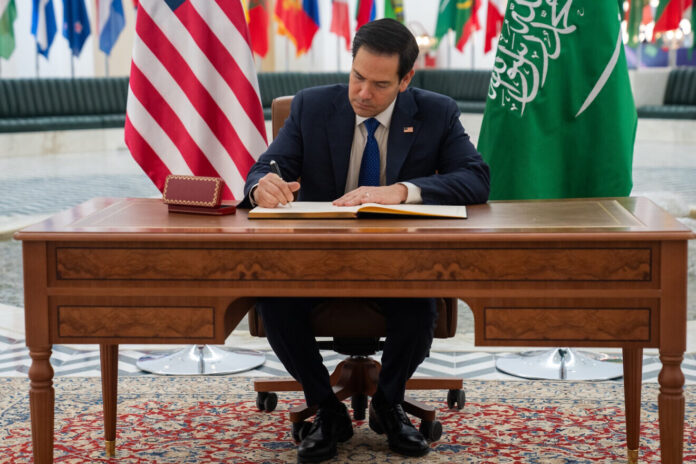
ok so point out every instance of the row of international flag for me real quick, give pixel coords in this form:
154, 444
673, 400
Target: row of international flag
75, 27
299, 20
667, 16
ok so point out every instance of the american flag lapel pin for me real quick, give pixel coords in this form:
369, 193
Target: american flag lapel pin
408, 130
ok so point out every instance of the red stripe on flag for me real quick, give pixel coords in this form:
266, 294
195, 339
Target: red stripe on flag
296, 24
671, 16
340, 21
494, 22
224, 63
145, 156
364, 10
258, 30
169, 56
471, 25
235, 13
170, 123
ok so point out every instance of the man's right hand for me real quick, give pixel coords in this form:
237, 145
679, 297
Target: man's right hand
272, 191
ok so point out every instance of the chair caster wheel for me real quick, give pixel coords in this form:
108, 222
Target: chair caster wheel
266, 401
300, 430
431, 430
359, 405
456, 398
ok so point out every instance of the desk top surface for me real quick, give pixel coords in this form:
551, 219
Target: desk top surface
120, 219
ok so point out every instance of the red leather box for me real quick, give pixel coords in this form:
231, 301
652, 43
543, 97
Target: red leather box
195, 194
192, 190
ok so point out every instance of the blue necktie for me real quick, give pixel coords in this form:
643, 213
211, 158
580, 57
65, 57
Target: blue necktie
369, 168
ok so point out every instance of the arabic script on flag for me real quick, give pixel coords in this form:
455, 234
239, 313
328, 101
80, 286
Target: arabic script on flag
530, 40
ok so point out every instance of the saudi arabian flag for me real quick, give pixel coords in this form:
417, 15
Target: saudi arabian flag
8, 13
560, 119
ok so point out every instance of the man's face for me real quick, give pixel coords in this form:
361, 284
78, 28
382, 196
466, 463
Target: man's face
374, 82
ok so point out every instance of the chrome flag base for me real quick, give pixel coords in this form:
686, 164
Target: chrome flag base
201, 360
559, 364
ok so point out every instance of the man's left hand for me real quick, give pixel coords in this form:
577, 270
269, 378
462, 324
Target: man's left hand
387, 195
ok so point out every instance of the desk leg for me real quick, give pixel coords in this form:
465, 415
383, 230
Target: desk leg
633, 377
41, 403
109, 375
671, 404
672, 347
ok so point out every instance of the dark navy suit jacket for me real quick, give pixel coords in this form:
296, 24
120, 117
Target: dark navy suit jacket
314, 145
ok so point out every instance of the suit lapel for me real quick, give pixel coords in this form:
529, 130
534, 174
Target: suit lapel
341, 125
403, 130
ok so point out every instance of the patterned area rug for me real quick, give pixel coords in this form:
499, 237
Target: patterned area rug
215, 420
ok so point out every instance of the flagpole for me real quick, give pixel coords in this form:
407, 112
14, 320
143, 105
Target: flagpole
473, 50
338, 54
449, 49
72, 66
36, 61
287, 54
106, 65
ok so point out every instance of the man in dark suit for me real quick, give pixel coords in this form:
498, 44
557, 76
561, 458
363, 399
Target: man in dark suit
376, 141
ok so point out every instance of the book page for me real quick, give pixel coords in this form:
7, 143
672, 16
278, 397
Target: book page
326, 209
310, 209
448, 211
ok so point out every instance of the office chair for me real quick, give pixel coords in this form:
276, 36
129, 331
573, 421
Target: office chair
356, 327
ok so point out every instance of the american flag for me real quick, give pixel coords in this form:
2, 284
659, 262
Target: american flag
193, 99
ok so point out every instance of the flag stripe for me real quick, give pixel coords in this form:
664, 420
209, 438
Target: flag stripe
174, 129
340, 21
231, 10
258, 27
146, 156
110, 22
41, 30
195, 125
494, 22
221, 55
193, 103
669, 14
604, 77
195, 92
366, 12
222, 90
166, 152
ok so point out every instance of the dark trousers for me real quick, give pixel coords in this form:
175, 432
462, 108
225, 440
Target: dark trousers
410, 324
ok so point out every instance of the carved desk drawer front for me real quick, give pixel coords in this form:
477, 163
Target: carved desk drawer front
135, 322
537, 324
370, 264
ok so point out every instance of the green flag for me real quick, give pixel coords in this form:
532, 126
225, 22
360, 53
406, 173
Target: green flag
635, 18
560, 119
7, 17
452, 14
693, 26
394, 9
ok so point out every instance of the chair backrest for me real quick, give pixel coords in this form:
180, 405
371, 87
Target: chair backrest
280, 109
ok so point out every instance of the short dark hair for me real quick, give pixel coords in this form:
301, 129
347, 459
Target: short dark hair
388, 36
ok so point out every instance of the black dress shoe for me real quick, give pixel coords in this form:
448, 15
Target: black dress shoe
402, 436
329, 427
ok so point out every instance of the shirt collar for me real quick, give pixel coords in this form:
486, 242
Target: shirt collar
384, 117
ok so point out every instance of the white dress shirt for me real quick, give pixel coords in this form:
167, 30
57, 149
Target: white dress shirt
358, 147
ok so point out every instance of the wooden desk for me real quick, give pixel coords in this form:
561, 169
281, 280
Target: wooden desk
585, 273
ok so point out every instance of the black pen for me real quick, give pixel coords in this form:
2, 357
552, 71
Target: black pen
276, 168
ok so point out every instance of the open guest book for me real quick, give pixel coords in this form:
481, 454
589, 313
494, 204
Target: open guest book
326, 210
